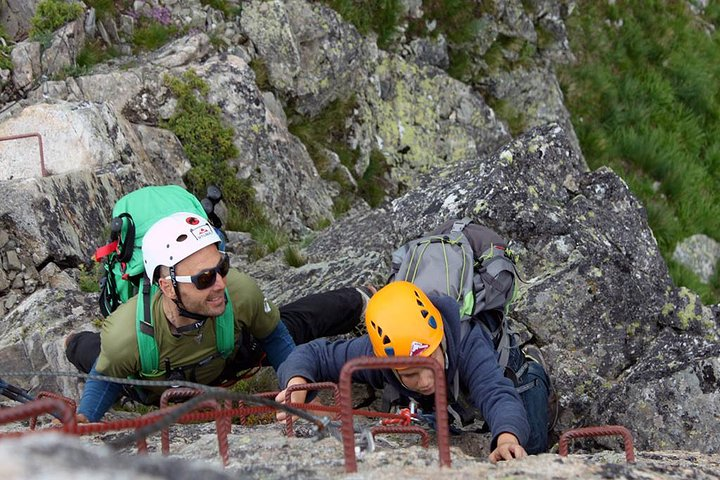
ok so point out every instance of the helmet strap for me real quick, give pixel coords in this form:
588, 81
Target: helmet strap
181, 309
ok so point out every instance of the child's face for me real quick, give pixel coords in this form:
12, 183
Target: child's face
419, 379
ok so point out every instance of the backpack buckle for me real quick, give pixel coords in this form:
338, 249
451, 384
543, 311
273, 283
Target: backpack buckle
458, 226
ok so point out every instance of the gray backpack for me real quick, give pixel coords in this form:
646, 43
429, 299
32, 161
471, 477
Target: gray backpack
470, 263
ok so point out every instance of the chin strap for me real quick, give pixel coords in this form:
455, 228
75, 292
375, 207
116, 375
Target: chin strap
197, 325
200, 319
184, 313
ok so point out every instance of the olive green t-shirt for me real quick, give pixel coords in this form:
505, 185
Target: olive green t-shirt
119, 355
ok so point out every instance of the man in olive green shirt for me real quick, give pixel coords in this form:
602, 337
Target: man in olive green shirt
196, 285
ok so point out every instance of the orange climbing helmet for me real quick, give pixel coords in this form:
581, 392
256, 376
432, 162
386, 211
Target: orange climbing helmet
401, 321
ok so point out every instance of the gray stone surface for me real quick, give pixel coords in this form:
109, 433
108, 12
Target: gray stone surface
700, 254
263, 452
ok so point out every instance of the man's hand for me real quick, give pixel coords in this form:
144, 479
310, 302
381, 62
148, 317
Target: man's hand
295, 397
79, 418
508, 447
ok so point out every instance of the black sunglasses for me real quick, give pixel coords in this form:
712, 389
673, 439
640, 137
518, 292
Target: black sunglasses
206, 278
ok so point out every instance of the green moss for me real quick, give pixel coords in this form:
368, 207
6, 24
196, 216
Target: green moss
262, 76
688, 315
53, 14
632, 328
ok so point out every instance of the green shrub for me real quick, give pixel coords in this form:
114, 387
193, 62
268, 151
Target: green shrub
5, 49
505, 110
89, 278
268, 238
379, 16
327, 132
150, 35
456, 19
683, 276
224, 6
53, 14
94, 52
208, 143
342, 204
108, 8
644, 100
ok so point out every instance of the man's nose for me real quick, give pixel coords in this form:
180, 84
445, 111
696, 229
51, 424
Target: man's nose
220, 282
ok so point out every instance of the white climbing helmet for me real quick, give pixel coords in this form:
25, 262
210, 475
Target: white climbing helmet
175, 238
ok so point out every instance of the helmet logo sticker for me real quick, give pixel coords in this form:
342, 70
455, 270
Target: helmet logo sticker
417, 348
192, 220
202, 231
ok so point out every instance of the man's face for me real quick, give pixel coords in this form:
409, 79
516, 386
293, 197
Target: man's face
210, 301
420, 379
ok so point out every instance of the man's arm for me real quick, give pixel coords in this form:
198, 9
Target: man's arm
277, 345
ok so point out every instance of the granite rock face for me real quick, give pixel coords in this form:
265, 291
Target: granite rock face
623, 344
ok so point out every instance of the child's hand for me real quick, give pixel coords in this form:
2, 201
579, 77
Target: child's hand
295, 397
507, 448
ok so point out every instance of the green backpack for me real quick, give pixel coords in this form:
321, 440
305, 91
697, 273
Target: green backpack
124, 272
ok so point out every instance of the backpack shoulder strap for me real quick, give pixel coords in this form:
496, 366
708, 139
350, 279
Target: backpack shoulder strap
147, 346
225, 329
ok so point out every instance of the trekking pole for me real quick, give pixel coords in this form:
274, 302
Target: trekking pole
20, 395
212, 198
15, 393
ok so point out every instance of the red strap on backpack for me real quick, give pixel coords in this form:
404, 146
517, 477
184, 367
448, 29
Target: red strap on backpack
105, 250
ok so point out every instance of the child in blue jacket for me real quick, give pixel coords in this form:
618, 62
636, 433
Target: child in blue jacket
402, 321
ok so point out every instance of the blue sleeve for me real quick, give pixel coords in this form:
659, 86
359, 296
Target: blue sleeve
277, 345
490, 391
322, 361
98, 396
